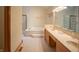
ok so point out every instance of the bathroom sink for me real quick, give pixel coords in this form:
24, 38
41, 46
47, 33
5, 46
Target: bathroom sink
76, 44
58, 32
61, 33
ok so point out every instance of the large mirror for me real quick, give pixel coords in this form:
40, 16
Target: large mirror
68, 18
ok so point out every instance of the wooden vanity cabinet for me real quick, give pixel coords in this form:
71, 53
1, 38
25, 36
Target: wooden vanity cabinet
54, 43
60, 47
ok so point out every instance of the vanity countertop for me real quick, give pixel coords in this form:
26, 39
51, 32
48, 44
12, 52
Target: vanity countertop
65, 39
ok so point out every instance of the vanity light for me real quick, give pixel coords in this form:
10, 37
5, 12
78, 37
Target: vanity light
59, 9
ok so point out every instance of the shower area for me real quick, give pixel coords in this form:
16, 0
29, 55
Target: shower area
24, 23
33, 31
34, 20
30, 25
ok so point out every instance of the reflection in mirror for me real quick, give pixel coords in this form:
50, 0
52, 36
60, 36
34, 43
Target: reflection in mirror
68, 18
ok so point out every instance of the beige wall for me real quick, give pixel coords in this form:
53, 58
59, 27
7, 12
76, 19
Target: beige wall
16, 27
1, 27
36, 16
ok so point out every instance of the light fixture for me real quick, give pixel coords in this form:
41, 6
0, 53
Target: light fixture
59, 9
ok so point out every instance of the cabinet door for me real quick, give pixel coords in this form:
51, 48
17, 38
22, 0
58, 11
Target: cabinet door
52, 43
60, 47
46, 36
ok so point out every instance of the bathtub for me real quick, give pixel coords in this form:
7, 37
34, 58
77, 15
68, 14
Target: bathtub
34, 31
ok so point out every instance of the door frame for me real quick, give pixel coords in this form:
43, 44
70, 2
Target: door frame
7, 28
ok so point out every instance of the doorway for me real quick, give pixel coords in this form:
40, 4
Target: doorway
7, 37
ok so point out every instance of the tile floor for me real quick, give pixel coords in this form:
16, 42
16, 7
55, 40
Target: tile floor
35, 44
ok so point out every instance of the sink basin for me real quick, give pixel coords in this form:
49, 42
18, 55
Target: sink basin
58, 32
76, 44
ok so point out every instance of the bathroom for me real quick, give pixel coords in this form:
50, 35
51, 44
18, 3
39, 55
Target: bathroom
41, 29
50, 22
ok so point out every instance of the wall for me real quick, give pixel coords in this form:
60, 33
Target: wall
16, 27
36, 16
1, 26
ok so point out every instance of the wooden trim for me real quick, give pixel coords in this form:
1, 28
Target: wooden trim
19, 48
7, 37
